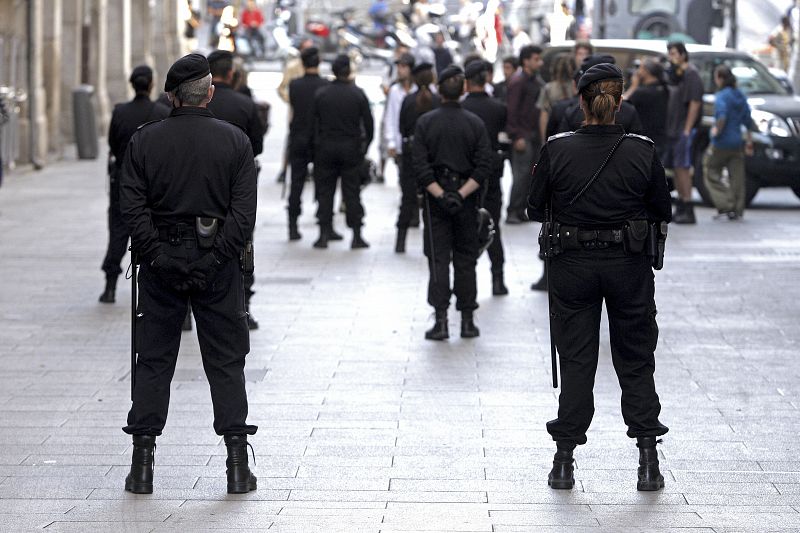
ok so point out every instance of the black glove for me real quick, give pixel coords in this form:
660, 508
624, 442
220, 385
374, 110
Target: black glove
175, 273
451, 202
204, 270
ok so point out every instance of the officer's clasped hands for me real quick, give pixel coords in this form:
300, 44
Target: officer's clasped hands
451, 201
203, 271
173, 272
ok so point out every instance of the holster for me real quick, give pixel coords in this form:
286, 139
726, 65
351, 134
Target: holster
247, 258
206, 229
549, 242
634, 236
656, 243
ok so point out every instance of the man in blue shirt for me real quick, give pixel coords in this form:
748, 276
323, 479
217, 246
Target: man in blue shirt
731, 113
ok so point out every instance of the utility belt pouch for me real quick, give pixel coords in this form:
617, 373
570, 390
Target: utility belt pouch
549, 243
206, 229
568, 238
247, 258
634, 236
656, 243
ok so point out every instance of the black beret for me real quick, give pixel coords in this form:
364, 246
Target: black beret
449, 72
591, 61
340, 65
420, 67
141, 71
406, 59
475, 68
603, 71
218, 55
188, 68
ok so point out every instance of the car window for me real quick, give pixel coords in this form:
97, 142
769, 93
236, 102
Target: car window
752, 78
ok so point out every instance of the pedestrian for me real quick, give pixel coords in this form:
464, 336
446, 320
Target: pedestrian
600, 220
442, 54
125, 120
236, 108
343, 130
452, 159
727, 150
414, 105
581, 50
493, 114
388, 79
188, 196
782, 40
649, 94
301, 100
523, 127
253, 21
560, 87
292, 69
404, 85
191, 20
683, 116
510, 66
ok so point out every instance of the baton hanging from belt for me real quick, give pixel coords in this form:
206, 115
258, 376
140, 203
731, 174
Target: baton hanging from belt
432, 258
133, 321
547, 259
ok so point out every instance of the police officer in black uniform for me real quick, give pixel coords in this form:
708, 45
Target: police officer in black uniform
239, 109
602, 218
124, 121
343, 130
452, 159
414, 104
188, 196
301, 99
493, 114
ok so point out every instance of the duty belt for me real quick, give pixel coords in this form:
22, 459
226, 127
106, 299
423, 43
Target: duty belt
574, 238
449, 180
178, 234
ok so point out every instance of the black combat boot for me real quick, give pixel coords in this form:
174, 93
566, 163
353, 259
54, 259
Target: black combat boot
468, 327
498, 284
294, 233
358, 241
400, 244
252, 323
650, 477
684, 213
324, 237
109, 294
540, 285
439, 330
562, 474
240, 479
140, 479
334, 236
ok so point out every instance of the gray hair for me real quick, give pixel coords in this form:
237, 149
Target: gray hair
193, 92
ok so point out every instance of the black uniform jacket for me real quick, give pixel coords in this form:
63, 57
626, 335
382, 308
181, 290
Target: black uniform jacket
238, 109
301, 97
631, 187
185, 166
126, 118
493, 113
627, 117
451, 138
341, 111
409, 115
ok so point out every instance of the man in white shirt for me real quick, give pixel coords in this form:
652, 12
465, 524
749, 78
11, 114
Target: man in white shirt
394, 101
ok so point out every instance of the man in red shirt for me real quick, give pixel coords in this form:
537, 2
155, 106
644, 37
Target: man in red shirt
252, 20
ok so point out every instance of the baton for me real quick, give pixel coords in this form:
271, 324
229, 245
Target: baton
432, 258
553, 352
133, 322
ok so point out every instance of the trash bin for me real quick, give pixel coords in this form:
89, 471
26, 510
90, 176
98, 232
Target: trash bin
85, 126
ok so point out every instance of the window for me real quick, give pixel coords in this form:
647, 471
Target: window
752, 78
640, 7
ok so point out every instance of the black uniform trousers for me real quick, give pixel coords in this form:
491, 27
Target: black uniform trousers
455, 238
336, 158
493, 202
580, 280
299, 159
117, 230
224, 342
409, 206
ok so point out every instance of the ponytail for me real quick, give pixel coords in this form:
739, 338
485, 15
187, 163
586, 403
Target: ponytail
424, 100
600, 100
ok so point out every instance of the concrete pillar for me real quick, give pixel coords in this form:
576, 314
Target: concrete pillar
166, 36
142, 38
37, 100
72, 18
52, 73
99, 43
118, 44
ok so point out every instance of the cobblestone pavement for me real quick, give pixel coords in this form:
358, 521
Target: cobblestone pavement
364, 426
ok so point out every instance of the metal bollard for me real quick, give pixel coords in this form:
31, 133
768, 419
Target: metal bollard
84, 122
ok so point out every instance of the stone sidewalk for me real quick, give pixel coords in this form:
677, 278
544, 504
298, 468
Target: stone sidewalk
364, 426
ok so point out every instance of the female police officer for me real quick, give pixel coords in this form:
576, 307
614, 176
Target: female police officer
602, 190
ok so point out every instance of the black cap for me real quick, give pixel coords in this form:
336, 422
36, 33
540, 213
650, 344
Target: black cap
450, 72
340, 65
141, 71
603, 71
475, 68
188, 68
406, 59
420, 67
217, 55
591, 61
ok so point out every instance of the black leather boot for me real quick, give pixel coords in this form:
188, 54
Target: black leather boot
400, 244
468, 327
109, 294
684, 213
294, 233
562, 475
650, 477
140, 479
324, 237
358, 241
439, 330
334, 236
240, 479
498, 284
252, 323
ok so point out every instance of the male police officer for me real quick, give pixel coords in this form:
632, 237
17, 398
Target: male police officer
188, 196
343, 129
452, 158
493, 114
235, 107
124, 121
301, 99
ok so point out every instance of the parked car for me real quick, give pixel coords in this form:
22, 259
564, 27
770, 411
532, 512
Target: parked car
775, 110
